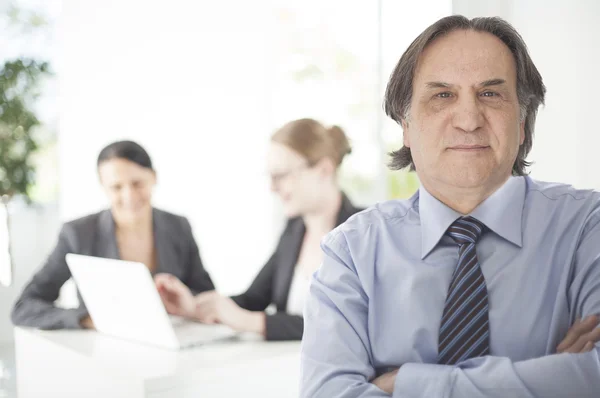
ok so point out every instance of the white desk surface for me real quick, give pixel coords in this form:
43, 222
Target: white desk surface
76, 362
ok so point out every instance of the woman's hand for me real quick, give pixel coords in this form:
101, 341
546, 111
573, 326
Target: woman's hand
176, 297
211, 307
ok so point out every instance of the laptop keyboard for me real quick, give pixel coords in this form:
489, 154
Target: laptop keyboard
192, 334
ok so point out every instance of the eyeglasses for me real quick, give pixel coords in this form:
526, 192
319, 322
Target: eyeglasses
276, 178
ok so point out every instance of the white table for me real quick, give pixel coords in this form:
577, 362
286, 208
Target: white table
87, 364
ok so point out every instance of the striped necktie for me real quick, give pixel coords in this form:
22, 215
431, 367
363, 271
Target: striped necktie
464, 330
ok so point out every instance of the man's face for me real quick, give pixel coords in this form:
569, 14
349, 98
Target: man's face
464, 128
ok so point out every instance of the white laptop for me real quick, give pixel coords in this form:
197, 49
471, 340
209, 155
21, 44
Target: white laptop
122, 300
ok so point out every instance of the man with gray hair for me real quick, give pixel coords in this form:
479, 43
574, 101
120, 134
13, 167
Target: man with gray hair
486, 283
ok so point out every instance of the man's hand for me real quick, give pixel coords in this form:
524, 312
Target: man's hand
582, 336
176, 297
87, 323
386, 381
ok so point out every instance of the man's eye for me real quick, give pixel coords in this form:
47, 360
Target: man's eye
444, 95
489, 94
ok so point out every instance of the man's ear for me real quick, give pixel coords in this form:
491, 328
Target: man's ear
404, 124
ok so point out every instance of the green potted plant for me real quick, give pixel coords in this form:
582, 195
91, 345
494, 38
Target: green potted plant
19, 84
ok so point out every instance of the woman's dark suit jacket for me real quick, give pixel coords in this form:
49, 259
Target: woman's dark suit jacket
94, 235
272, 285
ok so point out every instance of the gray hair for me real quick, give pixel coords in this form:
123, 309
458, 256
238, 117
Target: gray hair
530, 87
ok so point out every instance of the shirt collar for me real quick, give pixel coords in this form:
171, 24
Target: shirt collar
501, 213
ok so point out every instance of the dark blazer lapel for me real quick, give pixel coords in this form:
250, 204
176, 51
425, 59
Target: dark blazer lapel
160, 244
106, 240
346, 210
166, 237
288, 252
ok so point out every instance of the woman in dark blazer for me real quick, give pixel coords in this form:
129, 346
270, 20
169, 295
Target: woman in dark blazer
130, 230
303, 160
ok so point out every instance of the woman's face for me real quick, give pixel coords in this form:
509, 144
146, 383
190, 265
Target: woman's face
128, 187
297, 183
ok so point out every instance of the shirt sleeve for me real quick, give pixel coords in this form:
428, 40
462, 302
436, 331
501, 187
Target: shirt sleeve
336, 355
282, 326
35, 307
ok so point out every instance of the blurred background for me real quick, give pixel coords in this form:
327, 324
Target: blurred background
202, 85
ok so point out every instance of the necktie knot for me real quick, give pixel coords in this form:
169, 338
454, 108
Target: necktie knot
465, 230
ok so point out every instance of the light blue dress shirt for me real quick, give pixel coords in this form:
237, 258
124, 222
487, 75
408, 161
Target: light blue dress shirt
376, 303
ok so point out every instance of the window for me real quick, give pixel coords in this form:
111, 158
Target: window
5, 261
333, 66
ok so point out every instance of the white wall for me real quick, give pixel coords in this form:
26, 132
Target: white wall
485, 8
562, 37
187, 81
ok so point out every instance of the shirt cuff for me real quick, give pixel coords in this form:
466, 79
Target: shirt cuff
423, 380
71, 317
